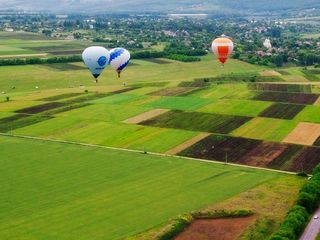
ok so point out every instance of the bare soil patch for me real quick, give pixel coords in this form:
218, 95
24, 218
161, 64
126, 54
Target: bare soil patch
304, 134
222, 229
270, 73
263, 154
146, 116
187, 144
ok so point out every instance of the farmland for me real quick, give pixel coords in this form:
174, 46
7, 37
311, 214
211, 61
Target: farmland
193, 110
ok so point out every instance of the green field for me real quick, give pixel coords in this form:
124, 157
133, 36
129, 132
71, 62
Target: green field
91, 193
52, 190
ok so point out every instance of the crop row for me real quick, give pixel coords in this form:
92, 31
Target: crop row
255, 153
285, 97
196, 121
282, 111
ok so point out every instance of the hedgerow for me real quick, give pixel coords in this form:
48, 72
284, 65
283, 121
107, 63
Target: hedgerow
297, 218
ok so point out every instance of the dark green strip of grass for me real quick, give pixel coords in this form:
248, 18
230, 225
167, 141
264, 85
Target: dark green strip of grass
196, 121
22, 121
282, 111
67, 108
61, 96
41, 108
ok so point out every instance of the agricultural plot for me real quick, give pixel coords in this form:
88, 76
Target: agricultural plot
282, 111
113, 134
310, 113
221, 148
11, 123
266, 129
273, 87
100, 178
263, 154
236, 107
173, 91
146, 116
304, 134
41, 108
179, 103
307, 160
251, 152
297, 98
119, 99
285, 159
60, 97
196, 121
228, 91
220, 228
64, 67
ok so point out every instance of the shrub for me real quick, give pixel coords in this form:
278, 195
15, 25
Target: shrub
180, 224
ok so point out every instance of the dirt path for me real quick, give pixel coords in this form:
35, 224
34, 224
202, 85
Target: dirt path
210, 229
187, 144
146, 116
304, 133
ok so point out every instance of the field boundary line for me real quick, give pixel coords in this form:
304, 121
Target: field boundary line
143, 152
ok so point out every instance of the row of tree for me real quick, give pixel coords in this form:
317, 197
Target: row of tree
298, 217
25, 61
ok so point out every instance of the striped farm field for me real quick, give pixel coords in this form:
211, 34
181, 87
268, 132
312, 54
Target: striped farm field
285, 97
255, 153
266, 129
92, 193
282, 111
236, 107
196, 121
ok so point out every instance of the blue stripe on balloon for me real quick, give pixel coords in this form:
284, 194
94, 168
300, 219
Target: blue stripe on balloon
123, 66
115, 54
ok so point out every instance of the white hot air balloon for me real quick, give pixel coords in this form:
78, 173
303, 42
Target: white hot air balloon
119, 59
267, 44
96, 59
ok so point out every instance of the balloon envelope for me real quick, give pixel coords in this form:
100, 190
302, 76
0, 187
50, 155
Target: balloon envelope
222, 47
119, 59
96, 59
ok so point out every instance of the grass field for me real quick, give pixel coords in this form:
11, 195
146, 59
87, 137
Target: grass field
26, 78
67, 191
84, 192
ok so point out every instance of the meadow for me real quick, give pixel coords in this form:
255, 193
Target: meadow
87, 192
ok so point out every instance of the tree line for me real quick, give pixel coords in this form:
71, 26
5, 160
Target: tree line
297, 218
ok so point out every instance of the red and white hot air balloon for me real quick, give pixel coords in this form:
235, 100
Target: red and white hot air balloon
222, 47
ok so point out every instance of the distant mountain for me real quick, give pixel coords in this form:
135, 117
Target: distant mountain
156, 5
